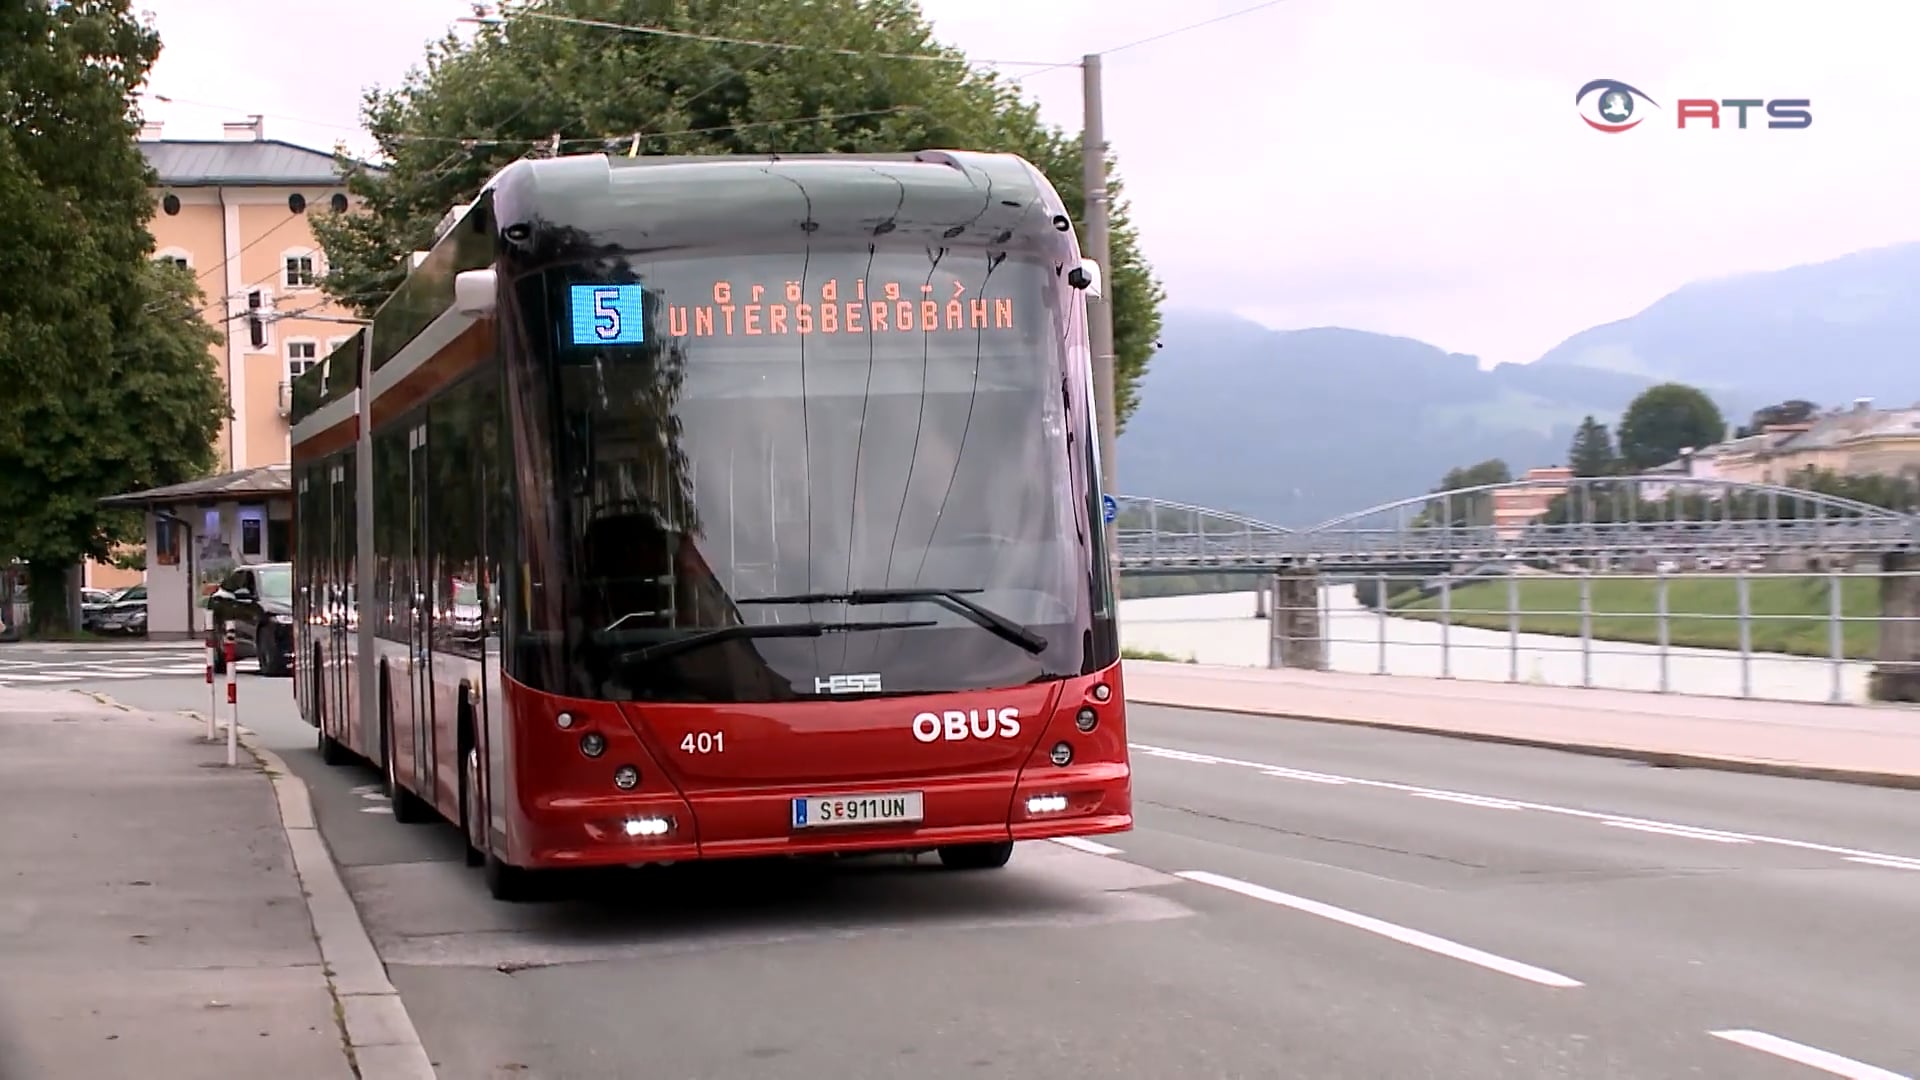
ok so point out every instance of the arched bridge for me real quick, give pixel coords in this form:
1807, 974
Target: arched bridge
1659, 517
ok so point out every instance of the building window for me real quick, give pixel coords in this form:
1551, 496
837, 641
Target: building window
250, 536
176, 256
302, 353
299, 269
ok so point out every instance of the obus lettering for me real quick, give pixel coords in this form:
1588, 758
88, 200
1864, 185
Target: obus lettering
830, 313
956, 726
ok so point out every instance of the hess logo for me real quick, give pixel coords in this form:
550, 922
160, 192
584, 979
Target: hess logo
955, 726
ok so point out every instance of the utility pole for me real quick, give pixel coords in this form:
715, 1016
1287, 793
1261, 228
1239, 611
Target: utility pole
1093, 152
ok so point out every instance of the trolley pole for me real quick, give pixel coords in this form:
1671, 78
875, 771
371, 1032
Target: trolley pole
1093, 151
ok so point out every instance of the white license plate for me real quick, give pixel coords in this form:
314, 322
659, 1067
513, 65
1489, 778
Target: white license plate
880, 808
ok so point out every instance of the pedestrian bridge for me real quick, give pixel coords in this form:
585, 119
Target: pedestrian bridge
1658, 517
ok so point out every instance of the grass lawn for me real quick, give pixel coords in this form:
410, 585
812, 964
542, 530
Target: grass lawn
1788, 614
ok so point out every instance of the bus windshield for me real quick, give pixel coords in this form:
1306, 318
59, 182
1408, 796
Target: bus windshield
774, 439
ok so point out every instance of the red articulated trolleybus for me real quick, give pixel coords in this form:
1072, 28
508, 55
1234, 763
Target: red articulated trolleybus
689, 508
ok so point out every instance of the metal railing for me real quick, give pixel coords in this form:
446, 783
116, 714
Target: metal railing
1590, 518
1814, 637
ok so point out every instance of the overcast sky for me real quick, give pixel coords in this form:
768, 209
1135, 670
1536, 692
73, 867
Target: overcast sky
1415, 167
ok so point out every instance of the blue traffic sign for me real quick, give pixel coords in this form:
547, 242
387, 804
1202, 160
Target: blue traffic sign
1109, 508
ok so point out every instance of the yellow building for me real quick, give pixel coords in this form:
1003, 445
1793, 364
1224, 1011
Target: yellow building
236, 212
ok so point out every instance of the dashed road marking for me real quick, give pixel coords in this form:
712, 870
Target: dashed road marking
1811, 1056
1091, 847
1618, 821
1417, 938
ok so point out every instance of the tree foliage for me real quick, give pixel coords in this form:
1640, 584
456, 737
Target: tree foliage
1591, 453
475, 106
1470, 509
1665, 420
109, 386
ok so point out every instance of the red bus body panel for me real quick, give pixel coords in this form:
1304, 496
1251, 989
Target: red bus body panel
738, 801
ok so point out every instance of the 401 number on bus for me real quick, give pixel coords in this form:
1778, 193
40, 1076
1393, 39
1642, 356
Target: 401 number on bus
880, 808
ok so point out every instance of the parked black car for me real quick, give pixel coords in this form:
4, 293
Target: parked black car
258, 601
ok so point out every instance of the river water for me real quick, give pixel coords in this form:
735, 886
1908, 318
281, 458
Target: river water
1221, 629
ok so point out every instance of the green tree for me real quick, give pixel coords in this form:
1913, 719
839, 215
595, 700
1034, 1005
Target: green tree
1665, 420
1470, 509
109, 386
477, 105
1592, 451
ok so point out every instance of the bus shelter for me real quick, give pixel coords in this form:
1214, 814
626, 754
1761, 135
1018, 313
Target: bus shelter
199, 531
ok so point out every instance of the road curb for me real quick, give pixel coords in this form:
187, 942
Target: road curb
378, 1032
1658, 758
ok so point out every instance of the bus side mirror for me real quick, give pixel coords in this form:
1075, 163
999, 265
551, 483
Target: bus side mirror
475, 292
1086, 277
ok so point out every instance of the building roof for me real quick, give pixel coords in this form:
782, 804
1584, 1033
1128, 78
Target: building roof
260, 482
234, 163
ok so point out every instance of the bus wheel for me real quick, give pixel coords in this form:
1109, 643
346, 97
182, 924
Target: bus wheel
511, 884
470, 805
976, 856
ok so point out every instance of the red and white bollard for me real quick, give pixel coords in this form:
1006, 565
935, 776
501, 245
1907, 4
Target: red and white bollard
233, 702
213, 705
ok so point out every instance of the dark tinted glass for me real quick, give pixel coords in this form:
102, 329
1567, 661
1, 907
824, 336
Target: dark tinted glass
700, 434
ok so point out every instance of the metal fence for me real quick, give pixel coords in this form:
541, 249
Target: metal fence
1725, 632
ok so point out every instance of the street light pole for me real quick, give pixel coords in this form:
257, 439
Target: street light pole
1093, 151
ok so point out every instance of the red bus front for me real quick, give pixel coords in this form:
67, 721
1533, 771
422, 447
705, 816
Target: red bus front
809, 555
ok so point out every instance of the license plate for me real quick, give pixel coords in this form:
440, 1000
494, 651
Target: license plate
883, 808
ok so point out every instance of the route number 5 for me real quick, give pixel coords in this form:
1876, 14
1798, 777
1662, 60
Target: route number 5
603, 301
704, 742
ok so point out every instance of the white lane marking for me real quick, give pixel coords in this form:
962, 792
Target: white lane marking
1091, 847
1548, 808
23, 677
1309, 777
1813, 1057
1417, 939
1894, 863
1468, 800
1182, 755
1678, 830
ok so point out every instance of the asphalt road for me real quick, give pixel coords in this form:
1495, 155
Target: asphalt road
1298, 900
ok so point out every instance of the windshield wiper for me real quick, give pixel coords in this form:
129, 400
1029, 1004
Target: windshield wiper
953, 599
675, 646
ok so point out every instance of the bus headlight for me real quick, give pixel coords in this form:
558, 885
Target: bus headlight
1062, 754
626, 778
593, 744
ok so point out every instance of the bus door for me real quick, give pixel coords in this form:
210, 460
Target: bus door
420, 636
337, 702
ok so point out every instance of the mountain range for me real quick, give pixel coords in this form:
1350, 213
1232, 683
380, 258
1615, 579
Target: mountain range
1298, 426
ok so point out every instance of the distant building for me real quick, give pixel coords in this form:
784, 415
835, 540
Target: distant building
1514, 508
1858, 440
235, 211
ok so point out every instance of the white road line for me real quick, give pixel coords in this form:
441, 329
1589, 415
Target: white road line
1091, 847
10, 677
1468, 800
1405, 936
1812, 1057
1677, 830
1296, 774
1545, 808
1894, 863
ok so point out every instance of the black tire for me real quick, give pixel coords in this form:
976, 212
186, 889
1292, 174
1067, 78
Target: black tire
408, 809
976, 856
511, 884
333, 751
469, 792
267, 651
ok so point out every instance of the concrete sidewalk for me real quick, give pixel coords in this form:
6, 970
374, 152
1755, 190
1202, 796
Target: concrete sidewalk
151, 920
1854, 743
